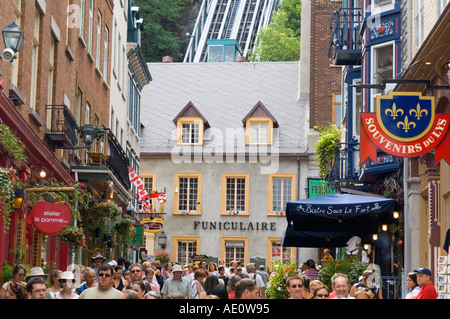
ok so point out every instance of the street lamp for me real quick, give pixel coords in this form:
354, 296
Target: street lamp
19, 197
13, 38
162, 239
88, 134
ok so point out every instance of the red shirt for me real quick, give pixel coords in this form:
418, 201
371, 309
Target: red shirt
427, 292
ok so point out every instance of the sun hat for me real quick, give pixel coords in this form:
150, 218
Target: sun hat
36, 271
423, 270
177, 268
99, 255
112, 263
67, 275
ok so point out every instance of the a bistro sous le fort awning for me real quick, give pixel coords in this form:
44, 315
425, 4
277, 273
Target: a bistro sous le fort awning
331, 220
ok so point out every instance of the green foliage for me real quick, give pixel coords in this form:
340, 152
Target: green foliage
7, 176
326, 148
12, 145
276, 287
349, 265
281, 40
161, 24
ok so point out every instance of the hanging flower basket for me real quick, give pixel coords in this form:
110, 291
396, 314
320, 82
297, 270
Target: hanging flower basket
73, 236
124, 230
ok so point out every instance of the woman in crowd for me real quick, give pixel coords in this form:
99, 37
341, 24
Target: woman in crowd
54, 285
18, 274
321, 292
196, 284
413, 286
67, 282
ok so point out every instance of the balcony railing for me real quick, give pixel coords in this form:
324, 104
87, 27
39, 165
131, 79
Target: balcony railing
110, 155
117, 160
345, 43
346, 167
347, 170
61, 129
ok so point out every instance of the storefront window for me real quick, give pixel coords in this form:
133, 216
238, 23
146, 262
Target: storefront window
234, 251
185, 249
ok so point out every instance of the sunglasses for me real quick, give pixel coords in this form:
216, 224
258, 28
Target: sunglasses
295, 286
104, 275
66, 280
321, 296
133, 271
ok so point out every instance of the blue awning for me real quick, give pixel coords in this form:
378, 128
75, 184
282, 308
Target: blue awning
340, 213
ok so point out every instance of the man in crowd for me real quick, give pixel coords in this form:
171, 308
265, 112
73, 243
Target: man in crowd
427, 291
340, 285
177, 284
246, 288
105, 289
36, 288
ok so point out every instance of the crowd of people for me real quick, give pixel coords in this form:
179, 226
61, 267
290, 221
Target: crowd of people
122, 279
148, 280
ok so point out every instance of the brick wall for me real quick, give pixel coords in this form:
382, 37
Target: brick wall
71, 71
324, 79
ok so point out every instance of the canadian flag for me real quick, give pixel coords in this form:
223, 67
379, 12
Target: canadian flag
135, 179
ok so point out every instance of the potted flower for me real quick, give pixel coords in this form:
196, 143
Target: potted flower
276, 287
349, 265
162, 256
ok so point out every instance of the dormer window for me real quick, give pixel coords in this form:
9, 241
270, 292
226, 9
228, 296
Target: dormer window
259, 124
190, 126
260, 131
190, 131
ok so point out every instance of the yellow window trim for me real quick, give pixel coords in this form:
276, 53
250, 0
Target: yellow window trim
255, 120
176, 239
224, 192
198, 211
234, 239
293, 177
270, 241
190, 120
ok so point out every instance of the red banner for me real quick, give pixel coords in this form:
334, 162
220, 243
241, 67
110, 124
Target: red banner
372, 136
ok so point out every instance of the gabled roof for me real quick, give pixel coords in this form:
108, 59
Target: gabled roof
224, 93
191, 111
258, 110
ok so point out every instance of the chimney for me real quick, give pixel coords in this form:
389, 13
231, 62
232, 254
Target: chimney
167, 59
240, 58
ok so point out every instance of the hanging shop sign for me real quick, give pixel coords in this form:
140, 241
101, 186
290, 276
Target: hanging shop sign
405, 125
318, 187
153, 225
51, 218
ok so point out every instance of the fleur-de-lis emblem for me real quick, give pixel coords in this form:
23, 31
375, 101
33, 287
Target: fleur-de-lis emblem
394, 111
406, 124
418, 112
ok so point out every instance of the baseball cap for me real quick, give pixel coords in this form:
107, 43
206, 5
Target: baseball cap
423, 270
